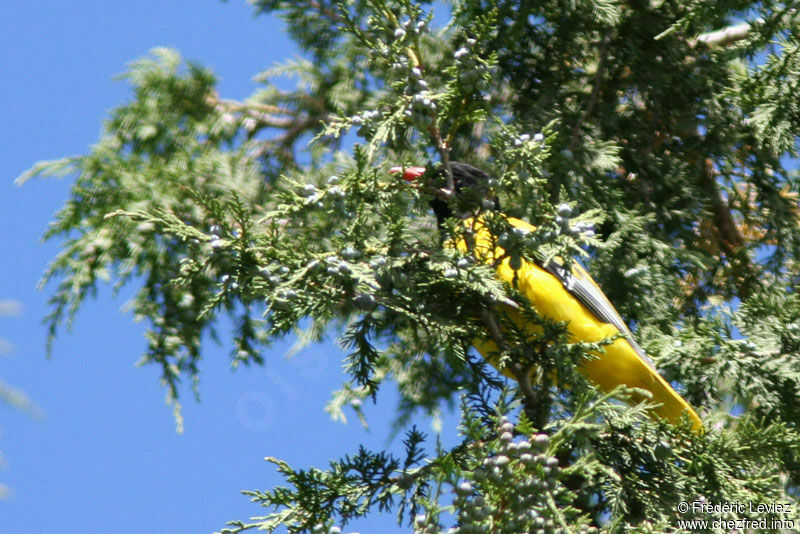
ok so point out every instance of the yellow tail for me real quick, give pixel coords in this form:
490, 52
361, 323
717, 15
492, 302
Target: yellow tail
620, 363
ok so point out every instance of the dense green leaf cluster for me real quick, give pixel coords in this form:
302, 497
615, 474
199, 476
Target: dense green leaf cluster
646, 138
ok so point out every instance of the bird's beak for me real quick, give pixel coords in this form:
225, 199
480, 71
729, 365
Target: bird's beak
410, 174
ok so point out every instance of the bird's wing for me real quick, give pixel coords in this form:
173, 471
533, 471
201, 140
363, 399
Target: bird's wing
585, 289
580, 285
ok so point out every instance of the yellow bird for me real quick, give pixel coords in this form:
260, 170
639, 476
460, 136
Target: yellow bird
569, 296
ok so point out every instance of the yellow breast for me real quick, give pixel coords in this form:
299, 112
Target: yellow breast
618, 364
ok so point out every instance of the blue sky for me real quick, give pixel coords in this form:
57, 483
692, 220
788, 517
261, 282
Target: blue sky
106, 457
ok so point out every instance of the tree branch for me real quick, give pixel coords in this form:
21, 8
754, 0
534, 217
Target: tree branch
598, 78
723, 37
521, 373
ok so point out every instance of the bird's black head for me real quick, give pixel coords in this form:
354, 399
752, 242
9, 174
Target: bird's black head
472, 190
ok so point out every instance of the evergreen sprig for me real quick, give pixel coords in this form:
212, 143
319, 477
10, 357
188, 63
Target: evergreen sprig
646, 140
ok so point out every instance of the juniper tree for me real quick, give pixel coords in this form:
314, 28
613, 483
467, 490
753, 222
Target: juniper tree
653, 140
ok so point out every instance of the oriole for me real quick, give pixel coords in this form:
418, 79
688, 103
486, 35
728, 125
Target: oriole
569, 296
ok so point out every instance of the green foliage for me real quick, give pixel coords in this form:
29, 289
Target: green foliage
652, 151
